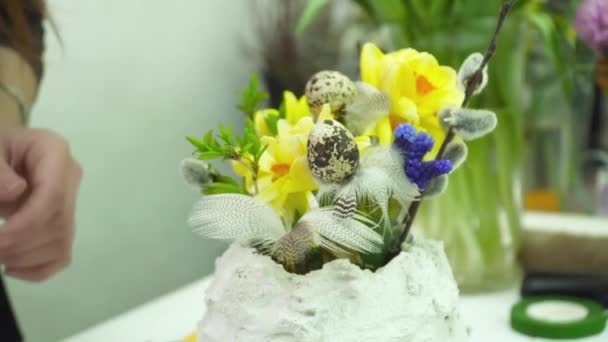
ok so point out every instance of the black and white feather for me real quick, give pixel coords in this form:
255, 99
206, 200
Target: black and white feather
380, 177
245, 219
236, 217
367, 107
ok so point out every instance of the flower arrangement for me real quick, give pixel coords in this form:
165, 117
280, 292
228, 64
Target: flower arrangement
340, 171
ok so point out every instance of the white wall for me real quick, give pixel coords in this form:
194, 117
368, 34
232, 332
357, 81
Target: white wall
132, 79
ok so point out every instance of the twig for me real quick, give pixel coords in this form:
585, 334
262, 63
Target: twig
471, 84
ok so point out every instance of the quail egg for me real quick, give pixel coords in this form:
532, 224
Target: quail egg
333, 155
329, 87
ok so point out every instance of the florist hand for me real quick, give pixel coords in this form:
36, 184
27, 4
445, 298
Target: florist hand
39, 182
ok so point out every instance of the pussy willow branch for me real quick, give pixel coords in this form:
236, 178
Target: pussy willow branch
471, 84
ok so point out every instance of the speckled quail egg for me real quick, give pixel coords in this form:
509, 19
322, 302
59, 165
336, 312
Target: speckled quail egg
329, 87
333, 155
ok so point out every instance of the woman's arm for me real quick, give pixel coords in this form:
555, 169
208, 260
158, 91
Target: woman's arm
18, 87
21, 62
39, 178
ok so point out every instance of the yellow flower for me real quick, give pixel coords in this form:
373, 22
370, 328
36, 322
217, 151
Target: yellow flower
294, 110
284, 180
418, 88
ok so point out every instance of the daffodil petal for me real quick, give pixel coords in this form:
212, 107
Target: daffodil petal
363, 142
325, 113
371, 57
407, 111
384, 131
273, 192
298, 201
303, 109
291, 107
300, 178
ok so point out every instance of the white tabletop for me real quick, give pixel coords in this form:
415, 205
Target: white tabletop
175, 315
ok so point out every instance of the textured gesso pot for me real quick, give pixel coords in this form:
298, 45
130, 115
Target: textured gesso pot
413, 298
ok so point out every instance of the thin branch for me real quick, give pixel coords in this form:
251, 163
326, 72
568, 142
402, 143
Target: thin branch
471, 84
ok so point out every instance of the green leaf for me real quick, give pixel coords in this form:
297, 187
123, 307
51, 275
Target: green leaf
252, 97
240, 142
311, 11
247, 148
209, 137
227, 180
250, 136
200, 145
271, 121
226, 135
282, 111
209, 142
227, 150
221, 188
244, 186
210, 155
258, 155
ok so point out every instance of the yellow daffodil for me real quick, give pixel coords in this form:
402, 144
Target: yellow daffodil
284, 180
418, 88
295, 109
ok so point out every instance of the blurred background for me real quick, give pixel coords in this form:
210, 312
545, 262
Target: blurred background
129, 79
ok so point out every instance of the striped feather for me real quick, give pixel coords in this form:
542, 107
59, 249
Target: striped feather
345, 206
236, 217
337, 234
368, 107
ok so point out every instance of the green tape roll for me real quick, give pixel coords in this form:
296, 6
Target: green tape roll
558, 317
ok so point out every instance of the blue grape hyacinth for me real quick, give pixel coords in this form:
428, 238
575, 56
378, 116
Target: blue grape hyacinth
414, 146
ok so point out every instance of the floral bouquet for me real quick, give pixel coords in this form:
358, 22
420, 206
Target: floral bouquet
338, 173
334, 174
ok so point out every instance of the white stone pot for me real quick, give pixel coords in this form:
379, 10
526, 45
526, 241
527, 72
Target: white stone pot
413, 298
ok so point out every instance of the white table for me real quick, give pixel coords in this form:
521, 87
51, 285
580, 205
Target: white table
175, 315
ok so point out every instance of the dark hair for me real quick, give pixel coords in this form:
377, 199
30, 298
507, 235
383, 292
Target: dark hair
21, 27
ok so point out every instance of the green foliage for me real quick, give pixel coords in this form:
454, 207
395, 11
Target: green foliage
226, 145
311, 11
282, 111
246, 149
223, 185
271, 121
252, 97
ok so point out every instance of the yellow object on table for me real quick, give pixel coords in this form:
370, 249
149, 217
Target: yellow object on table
542, 200
190, 338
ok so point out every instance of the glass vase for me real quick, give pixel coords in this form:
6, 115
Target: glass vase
478, 217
